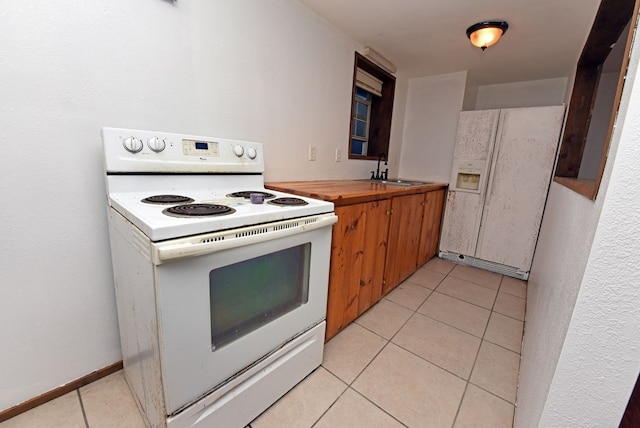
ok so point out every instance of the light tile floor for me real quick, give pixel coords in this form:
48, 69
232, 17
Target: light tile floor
441, 350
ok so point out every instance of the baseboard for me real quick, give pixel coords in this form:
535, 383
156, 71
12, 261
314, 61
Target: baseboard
59, 392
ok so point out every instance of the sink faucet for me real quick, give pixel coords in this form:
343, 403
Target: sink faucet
377, 175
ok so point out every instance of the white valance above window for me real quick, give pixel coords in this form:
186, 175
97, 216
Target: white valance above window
369, 83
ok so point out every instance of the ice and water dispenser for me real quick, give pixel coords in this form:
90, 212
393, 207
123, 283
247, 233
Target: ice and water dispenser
467, 175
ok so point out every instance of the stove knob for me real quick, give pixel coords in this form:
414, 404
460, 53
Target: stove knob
238, 150
252, 153
132, 144
156, 144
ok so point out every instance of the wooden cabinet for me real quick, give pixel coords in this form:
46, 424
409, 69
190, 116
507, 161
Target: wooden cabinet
358, 250
383, 234
375, 246
413, 235
430, 228
403, 240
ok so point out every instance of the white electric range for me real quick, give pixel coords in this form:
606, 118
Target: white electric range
221, 286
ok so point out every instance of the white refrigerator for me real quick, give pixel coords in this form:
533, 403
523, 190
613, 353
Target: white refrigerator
503, 162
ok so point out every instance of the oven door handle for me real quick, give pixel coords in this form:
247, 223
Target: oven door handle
163, 252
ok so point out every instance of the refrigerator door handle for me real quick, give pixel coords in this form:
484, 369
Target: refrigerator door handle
485, 197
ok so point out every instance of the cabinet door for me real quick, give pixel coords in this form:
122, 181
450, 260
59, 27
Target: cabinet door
375, 251
403, 240
347, 249
430, 229
358, 251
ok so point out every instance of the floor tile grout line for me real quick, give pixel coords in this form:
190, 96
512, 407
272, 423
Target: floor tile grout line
390, 340
482, 339
424, 359
332, 403
492, 393
435, 364
414, 282
453, 326
453, 297
84, 413
475, 283
449, 325
350, 385
455, 418
475, 360
375, 404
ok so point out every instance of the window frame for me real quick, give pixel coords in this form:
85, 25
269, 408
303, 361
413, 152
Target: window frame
355, 118
380, 111
608, 26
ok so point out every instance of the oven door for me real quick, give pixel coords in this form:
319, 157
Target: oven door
226, 300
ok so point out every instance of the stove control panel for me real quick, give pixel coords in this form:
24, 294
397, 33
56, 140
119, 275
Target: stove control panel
200, 148
130, 150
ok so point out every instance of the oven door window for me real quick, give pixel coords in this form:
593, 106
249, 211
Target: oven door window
247, 295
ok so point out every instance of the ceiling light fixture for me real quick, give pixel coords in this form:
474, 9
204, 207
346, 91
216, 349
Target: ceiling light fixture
486, 33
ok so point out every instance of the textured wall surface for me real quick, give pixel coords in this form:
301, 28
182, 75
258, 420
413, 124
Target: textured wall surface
600, 359
580, 352
266, 71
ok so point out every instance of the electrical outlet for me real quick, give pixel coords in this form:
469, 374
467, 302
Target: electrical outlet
312, 153
338, 155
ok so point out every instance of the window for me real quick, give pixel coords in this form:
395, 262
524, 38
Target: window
585, 117
371, 110
360, 122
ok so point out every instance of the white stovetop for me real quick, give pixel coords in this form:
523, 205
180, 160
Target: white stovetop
140, 164
213, 189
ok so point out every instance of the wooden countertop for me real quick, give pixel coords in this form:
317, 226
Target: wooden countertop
348, 192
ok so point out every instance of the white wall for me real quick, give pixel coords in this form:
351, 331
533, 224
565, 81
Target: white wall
430, 126
532, 93
581, 351
246, 69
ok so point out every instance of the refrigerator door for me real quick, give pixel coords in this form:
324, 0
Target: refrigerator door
519, 179
461, 222
474, 142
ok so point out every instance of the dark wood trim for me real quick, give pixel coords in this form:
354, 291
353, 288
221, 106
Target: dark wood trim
583, 97
584, 187
59, 392
381, 110
608, 26
631, 416
618, 96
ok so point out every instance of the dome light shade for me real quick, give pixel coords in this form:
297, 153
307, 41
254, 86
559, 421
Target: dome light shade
486, 33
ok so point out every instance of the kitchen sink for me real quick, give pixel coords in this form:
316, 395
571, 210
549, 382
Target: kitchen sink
399, 182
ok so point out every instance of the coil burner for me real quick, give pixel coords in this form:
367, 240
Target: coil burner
167, 199
198, 210
247, 194
288, 202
